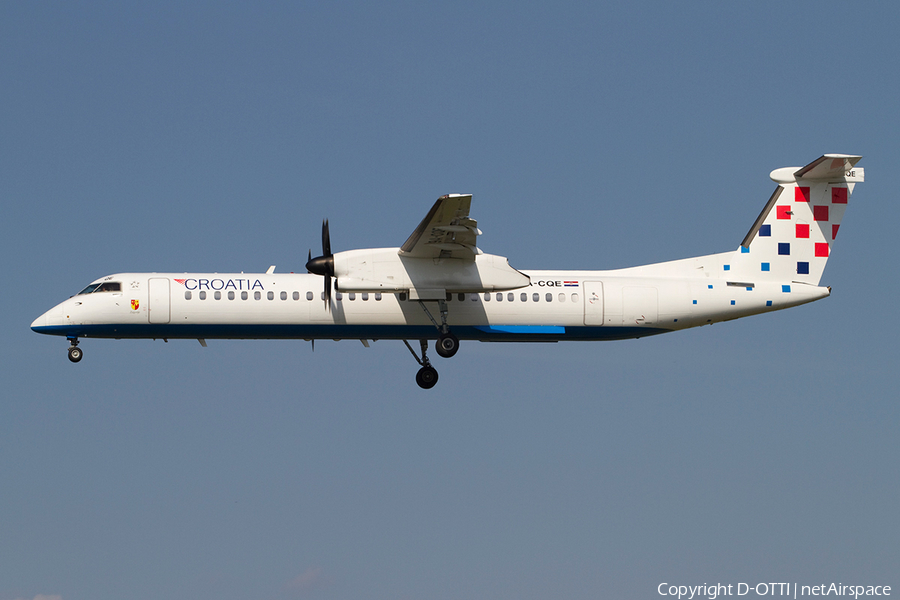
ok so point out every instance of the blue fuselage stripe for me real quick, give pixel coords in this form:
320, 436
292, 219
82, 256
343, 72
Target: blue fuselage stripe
494, 333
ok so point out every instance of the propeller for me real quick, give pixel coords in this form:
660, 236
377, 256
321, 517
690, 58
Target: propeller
323, 265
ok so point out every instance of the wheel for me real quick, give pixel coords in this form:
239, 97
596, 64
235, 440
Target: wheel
447, 345
75, 354
427, 377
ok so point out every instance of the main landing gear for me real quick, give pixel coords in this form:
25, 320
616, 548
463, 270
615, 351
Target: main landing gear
427, 376
446, 346
75, 353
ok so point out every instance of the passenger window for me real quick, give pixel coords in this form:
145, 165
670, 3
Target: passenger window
257, 296
499, 296
574, 297
549, 297
270, 295
339, 296
296, 296
352, 295
364, 296
523, 297
473, 297
461, 297
536, 297
284, 295
378, 296
562, 297
510, 297
203, 295
231, 295
403, 297
217, 295
449, 296
487, 296
309, 296
243, 295
187, 295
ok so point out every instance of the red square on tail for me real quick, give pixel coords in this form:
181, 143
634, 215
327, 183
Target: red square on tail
834, 229
801, 194
821, 249
802, 231
838, 195
820, 213
783, 212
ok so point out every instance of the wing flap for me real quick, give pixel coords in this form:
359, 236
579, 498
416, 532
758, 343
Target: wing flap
447, 231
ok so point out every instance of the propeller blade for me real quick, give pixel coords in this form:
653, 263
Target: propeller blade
327, 292
326, 239
323, 265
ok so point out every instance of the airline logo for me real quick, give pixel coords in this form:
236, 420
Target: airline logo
135, 304
221, 284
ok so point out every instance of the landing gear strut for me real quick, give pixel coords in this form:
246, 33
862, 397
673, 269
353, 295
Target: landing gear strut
427, 375
447, 344
75, 353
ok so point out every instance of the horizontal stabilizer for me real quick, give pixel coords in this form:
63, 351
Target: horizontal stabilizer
830, 167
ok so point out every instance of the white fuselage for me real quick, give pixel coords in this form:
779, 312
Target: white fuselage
556, 305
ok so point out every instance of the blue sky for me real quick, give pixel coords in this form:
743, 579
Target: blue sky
210, 137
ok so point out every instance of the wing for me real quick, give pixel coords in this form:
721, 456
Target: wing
445, 232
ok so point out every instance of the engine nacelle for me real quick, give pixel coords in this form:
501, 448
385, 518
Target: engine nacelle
384, 270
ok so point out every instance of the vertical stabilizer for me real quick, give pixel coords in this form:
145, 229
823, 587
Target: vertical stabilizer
793, 236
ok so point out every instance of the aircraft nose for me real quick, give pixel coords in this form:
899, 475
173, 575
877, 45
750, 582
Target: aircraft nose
51, 318
41, 321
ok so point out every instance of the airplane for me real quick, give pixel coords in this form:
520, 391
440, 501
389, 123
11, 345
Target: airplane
439, 286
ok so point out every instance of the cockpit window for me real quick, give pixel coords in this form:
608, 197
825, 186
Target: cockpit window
106, 286
89, 289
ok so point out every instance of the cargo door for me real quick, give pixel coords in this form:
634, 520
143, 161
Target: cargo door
640, 305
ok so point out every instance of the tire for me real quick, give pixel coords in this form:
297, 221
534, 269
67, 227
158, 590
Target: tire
75, 354
427, 377
447, 345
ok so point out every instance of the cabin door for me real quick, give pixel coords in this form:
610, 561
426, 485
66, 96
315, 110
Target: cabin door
158, 309
593, 303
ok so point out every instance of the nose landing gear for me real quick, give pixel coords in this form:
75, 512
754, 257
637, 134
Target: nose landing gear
75, 353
